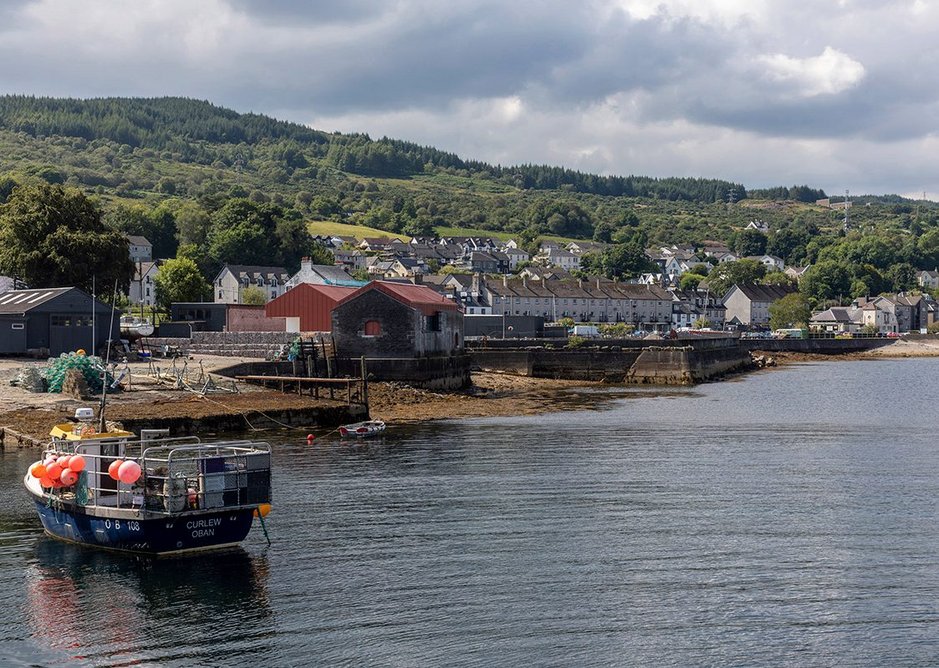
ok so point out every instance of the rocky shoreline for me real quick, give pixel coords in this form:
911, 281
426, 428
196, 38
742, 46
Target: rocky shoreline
493, 394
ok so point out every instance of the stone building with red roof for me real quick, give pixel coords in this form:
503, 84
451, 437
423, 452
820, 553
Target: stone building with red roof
384, 319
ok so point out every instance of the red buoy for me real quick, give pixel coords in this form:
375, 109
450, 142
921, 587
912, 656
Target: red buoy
310, 438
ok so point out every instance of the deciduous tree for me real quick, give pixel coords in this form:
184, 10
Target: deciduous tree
52, 236
180, 280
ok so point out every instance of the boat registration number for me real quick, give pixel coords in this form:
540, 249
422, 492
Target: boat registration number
130, 525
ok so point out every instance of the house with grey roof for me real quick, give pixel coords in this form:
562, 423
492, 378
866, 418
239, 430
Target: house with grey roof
837, 320
748, 304
231, 282
321, 274
593, 300
928, 279
140, 249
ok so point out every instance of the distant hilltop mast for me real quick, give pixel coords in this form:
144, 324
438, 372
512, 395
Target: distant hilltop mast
846, 207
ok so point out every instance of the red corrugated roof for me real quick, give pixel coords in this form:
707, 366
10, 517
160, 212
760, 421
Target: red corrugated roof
420, 297
311, 303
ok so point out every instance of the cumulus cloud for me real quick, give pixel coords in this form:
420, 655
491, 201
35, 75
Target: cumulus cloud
762, 91
831, 72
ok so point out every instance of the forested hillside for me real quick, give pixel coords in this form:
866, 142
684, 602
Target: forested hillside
233, 187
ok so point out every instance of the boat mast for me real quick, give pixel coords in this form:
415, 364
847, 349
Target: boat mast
107, 361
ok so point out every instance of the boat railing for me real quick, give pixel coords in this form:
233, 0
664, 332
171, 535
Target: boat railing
211, 476
177, 475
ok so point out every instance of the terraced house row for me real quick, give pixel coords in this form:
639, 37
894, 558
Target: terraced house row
594, 300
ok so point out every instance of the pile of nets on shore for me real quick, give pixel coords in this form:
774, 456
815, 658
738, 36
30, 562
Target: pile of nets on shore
51, 377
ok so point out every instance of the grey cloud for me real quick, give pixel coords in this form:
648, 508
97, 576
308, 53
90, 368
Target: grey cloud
372, 59
291, 12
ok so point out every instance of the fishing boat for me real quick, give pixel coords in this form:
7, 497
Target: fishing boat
362, 429
151, 494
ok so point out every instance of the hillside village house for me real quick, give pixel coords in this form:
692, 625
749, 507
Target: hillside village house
748, 304
140, 249
233, 280
928, 279
796, 272
142, 289
320, 274
771, 262
560, 257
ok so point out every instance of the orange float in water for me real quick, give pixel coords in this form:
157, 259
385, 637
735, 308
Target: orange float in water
262, 510
77, 463
113, 468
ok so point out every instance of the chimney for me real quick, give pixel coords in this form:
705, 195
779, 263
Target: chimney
418, 279
505, 281
474, 286
580, 282
524, 282
598, 282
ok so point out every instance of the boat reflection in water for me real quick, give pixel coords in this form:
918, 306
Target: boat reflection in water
88, 605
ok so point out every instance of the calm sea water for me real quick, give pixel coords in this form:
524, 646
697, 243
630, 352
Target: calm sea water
786, 518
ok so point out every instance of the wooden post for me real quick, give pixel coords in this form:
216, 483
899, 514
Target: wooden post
364, 384
326, 357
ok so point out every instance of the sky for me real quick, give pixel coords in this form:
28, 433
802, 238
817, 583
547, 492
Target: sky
835, 94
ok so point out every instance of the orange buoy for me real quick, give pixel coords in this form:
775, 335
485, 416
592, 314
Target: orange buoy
53, 472
77, 463
37, 470
113, 468
46, 482
129, 472
310, 438
262, 510
68, 477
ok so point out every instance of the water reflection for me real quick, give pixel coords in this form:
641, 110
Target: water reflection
99, 605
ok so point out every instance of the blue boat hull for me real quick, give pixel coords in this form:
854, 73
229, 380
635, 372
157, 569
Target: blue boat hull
156, 536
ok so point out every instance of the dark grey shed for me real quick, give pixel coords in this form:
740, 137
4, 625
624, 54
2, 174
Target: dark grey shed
51, 321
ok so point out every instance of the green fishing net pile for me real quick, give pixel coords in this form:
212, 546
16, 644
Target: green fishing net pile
90, 367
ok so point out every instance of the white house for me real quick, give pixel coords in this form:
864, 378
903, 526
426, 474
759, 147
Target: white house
141, 250
232, 280
928, 279
560, 257
771, 262
142, 288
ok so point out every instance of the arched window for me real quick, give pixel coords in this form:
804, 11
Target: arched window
372, 328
